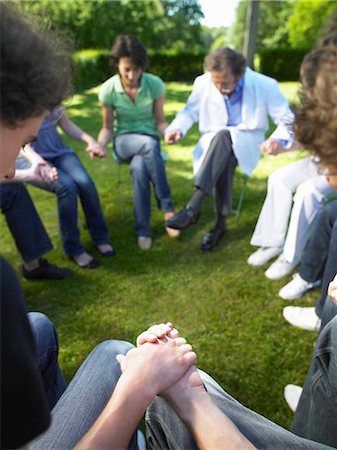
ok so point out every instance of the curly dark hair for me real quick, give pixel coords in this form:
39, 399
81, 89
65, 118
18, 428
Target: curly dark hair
35, 72
225, 58
316, 118
129, 46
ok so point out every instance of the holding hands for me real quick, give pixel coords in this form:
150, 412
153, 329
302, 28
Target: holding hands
271, 147
172, 136
95, 149
161, 359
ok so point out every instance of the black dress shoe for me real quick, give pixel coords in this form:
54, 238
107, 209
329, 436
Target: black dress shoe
212, 239
46, 271
183, 219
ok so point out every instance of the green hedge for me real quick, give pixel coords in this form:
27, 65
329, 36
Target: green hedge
282, 63
91, 67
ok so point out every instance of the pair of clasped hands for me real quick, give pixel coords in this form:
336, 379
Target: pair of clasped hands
163, 364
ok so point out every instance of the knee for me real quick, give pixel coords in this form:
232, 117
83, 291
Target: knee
137, 168
108, 350
65, 188
277, 178
43, 328
307, 193
223, 135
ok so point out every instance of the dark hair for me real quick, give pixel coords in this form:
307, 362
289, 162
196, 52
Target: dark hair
225, 58
129, 46
35, 73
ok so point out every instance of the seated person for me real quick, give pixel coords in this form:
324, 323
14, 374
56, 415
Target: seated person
24, 223
103, 404
319, 261
231, 103
284, 223
132, 109
73, 181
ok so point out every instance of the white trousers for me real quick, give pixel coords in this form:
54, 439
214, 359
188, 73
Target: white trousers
273, 228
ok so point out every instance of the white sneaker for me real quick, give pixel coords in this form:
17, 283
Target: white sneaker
305, 318
297, 287
144, 242
292, 394
280, 268
263, 255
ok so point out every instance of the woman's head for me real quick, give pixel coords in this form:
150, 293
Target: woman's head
129, 55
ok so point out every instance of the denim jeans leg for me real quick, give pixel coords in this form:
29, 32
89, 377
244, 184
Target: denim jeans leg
141, 196
316, 252
329, 311
150, 151
330, 269
166, 431
315, 417
47, 349
128, 145
70, 164
24, 223
66, 192
85, 398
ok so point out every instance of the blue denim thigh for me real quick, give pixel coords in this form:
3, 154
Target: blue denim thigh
85, 397
24, 223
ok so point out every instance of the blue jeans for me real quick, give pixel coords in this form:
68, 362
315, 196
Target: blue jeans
146, 166
24, 223
166, 431
47, 349
73, 180
316, 413
320, 260
84, 399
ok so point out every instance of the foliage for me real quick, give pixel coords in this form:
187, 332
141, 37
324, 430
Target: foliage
307, 21
282, 63
283, 23
92, 66
228, 310
159, 24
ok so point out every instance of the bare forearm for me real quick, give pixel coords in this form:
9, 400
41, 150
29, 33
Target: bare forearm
162, 127
210, 427
21, 176
114, 427
104, 136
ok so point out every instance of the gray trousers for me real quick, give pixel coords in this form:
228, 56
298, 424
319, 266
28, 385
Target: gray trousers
217, 171
315, 418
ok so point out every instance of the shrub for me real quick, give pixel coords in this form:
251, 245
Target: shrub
91, 67
282, 63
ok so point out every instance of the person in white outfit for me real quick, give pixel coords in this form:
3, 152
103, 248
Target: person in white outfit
231, 104
296, 193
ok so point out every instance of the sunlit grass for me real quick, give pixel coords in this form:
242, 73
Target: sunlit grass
230, 312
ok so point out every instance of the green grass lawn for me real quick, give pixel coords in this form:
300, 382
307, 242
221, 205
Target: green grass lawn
229, 311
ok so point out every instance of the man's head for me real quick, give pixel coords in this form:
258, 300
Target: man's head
34, 78
226, 67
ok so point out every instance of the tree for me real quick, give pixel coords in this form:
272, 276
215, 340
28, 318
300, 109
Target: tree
95, 24
306, 24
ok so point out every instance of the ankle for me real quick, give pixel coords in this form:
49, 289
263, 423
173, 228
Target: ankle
31, 265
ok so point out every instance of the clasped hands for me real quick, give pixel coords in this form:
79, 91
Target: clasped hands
163, 364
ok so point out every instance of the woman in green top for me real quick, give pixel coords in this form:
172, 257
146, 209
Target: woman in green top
132, 108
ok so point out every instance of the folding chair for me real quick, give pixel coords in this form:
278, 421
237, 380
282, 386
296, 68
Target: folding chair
237, 210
